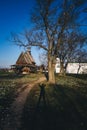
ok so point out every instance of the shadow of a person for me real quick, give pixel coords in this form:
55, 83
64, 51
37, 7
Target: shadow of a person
42, 95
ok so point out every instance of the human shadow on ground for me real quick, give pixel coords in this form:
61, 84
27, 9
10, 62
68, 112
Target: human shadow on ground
42, 95
66, 109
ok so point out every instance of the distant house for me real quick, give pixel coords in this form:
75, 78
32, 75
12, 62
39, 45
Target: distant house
74, 68
25, 63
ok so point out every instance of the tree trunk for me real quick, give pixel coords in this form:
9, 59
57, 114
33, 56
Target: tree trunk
62, 69
78, 69
51, 73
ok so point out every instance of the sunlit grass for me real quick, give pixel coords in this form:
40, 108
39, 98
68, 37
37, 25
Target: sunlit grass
9, 83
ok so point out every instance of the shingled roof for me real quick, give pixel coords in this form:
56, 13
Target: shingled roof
25, 58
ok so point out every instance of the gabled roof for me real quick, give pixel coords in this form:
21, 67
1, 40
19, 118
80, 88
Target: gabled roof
25, 58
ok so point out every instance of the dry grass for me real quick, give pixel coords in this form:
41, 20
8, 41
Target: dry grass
9, 83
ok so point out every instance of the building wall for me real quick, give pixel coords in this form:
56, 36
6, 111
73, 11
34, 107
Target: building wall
73, 68
77, 68
57, 68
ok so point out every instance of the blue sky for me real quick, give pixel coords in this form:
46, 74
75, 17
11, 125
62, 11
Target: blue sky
14, 17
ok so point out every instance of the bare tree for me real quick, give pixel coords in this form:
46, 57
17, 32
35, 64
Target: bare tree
71, 49
50, 20
43, 59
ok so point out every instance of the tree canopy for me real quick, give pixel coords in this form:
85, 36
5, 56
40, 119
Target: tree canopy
55, 28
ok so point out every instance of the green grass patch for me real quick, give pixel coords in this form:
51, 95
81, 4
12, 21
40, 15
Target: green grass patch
9, 83
64, 106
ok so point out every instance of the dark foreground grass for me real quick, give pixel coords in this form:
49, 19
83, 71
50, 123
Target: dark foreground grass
60, 107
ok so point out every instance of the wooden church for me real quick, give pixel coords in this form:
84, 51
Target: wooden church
25, 63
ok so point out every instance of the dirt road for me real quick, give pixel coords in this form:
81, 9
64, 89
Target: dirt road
13, 119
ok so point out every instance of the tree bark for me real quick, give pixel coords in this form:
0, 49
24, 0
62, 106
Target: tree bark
51, 73
62, 70
78, 69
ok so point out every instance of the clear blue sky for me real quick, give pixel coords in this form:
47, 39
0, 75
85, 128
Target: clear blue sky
14, 17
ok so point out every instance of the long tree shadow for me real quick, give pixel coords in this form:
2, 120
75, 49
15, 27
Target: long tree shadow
40, 109
73, 106
66, 109
32, 113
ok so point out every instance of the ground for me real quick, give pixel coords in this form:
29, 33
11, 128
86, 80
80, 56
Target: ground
12, 120
46, 106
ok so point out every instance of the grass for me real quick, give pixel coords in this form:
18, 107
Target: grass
64, 106
59, 107
9, 83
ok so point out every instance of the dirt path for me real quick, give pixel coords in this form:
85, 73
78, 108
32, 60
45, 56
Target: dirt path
12, 121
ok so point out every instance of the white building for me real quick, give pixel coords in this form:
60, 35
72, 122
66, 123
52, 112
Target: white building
80, 68
57, 66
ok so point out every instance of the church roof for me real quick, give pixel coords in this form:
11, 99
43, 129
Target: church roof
25, 58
